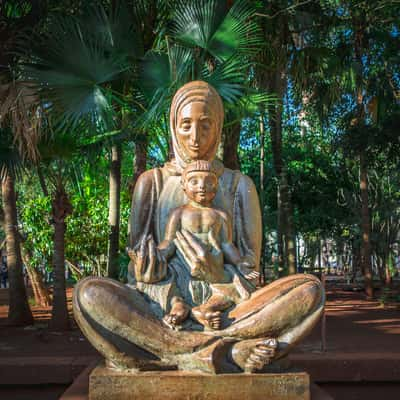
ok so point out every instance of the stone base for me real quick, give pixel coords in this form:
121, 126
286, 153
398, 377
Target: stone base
109, 384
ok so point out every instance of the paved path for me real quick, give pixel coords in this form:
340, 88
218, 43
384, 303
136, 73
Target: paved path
363, 344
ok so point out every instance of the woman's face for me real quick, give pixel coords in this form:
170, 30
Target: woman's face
196, 130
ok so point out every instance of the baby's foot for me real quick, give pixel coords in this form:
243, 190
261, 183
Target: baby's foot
262, 354
209, 319
213, 320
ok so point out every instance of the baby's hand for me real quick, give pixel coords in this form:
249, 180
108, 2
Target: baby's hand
248, 271
178, 314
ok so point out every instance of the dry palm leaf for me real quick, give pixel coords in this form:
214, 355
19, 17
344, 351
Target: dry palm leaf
19, 108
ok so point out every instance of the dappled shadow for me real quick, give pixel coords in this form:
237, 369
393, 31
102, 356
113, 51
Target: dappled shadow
354, 324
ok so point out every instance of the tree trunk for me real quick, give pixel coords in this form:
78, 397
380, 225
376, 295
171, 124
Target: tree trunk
275, 128
114, 213
360, 45
319, 256
286, 235
388, 265
19, 312
262, 194
231, 137
365, 228
288, 228
61, 208
40, 292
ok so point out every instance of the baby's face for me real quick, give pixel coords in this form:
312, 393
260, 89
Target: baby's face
200, 186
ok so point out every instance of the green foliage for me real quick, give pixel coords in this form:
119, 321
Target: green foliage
87, 227
106, 74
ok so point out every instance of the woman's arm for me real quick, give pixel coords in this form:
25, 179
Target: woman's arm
247, 224
167, 246
146, 264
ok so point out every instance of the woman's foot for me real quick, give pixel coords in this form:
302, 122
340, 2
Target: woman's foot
254, 354
261, 355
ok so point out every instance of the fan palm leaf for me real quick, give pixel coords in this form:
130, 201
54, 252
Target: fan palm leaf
78, 64
208, 25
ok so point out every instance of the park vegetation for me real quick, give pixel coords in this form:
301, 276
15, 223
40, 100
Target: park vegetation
311, 93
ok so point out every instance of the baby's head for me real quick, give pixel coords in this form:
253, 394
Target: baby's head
200, 182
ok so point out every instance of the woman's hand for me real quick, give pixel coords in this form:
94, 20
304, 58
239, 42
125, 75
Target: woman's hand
149, 265
204, 264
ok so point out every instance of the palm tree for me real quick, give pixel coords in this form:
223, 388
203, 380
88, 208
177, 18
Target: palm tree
19, 312
83, 68
17, 136
60, 167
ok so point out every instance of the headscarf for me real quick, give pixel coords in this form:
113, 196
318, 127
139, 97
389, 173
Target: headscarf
191, 92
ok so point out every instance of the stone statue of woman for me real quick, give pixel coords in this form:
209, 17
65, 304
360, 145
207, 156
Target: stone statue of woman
125, 322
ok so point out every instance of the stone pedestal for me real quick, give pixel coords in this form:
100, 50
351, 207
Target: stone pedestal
109, 384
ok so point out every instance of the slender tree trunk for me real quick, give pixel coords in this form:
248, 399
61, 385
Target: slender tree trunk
286, 235
42, 182
114, 212
290, 237
19, 312
365, 228
231, 137
262, 193
388, 264
61, 208
359, 47
380, 263
275, 128
319, 256
40, 292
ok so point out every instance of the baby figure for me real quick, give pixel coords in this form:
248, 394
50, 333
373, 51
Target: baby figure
212, 228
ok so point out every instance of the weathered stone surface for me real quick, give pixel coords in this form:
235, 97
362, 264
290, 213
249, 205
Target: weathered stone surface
109, 384
195, 246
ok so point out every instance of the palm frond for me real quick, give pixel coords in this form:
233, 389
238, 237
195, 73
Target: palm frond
195, 22
160, 75
228, 78
19, 109
238, 33
77, 61
209, 25
11, 162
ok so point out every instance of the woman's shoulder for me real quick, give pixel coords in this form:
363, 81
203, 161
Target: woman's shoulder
235, 178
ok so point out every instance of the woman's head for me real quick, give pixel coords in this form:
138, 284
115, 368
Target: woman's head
196, 120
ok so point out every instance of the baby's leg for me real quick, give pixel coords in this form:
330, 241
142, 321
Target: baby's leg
179, 312
209, 313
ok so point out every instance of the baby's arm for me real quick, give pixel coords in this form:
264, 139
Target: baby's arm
167, 246
231, 253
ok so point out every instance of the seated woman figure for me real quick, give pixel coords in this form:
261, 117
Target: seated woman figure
124, 322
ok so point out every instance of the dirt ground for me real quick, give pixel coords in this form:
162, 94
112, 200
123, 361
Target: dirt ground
353, 325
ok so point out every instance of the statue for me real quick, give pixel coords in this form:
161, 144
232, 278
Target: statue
195, 243
210, 291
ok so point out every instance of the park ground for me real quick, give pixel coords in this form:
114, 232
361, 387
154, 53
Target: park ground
361, 359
